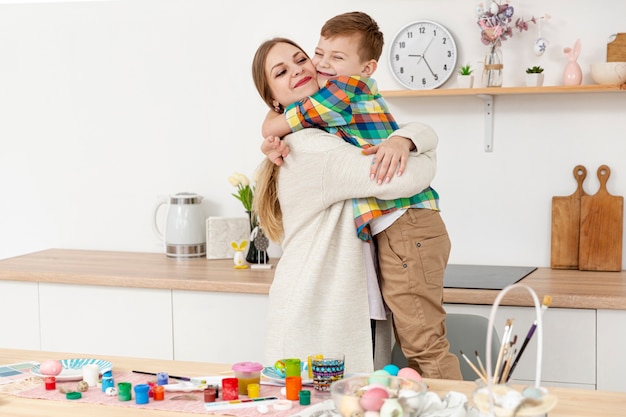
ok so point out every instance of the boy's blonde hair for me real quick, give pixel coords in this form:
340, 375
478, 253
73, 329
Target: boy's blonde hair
371, 39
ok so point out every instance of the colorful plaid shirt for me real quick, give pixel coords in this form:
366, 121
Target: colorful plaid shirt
353, 109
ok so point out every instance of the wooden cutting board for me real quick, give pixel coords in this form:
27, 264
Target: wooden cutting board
566, 225
601, 226
616, 48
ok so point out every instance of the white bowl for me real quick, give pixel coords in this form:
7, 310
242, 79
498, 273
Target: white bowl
609, 72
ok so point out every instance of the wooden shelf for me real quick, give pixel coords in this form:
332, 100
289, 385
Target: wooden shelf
500, 91
487, 94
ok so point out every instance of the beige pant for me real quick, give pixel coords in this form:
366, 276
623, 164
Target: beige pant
412, 254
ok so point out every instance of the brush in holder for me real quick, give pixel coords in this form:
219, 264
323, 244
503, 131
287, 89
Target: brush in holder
502, 399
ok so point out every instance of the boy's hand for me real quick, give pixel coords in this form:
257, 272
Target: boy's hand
274, 149
391, 156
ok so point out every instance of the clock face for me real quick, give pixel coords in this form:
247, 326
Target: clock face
423, 55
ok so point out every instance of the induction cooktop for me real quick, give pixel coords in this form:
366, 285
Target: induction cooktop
484, 277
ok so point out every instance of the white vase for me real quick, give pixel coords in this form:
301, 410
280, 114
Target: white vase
534, 79
465, 81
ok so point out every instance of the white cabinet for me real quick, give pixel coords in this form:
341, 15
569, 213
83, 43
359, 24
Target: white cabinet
219, 327
19, 315
611, 350
106, 320
569, 343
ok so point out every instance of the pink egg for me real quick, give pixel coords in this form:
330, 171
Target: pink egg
373, 399
409, 373
51, 367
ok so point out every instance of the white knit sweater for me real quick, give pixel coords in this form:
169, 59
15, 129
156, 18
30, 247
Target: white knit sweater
318, 300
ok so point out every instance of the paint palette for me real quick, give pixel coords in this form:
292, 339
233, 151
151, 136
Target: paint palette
15, 371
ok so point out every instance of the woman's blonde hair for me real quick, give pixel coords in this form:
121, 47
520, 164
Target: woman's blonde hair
266, 204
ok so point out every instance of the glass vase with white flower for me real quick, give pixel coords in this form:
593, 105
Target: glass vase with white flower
257, 253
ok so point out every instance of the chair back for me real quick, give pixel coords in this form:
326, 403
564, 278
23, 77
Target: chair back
467, 333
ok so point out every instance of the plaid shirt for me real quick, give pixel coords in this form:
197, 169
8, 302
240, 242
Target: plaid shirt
353, 109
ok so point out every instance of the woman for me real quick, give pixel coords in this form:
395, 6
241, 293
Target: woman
319, 297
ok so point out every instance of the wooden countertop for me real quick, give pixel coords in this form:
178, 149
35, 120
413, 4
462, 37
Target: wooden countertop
571, 402
568, 288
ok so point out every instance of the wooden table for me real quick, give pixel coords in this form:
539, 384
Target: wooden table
572, 403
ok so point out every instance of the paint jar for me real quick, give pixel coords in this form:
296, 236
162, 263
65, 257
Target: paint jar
247, 373
254, 390
293, 367
293, 385
141, 393
91, 372
210, 393
124, 391
305, 397
230, 389
51, 383
162, 378
107, 380
158, 393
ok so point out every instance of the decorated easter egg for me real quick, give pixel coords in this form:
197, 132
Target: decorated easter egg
409, 373
350, 406
280, 367
373, 399
380, 377
51, 367
391, 408
411, 398
392, 369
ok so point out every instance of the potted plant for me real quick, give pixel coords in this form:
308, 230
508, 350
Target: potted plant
534, 76
465, 79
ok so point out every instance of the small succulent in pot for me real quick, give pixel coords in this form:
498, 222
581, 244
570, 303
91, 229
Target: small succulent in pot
466, 70
534, 70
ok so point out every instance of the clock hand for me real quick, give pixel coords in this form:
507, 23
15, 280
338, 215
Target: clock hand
423, 52
430, 69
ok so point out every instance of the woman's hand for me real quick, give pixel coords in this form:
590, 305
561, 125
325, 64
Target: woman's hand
275, 149
390, 156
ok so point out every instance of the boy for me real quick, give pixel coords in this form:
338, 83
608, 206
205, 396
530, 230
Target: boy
413, 245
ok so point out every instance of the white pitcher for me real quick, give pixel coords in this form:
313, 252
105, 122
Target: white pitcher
184, 236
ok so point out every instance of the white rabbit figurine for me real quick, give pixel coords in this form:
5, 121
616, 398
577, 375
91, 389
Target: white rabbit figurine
572, 75
239, 258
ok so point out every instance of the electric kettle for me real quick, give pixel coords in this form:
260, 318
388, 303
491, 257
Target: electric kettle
184, 236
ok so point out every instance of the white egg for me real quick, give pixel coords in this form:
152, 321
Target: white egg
391, 408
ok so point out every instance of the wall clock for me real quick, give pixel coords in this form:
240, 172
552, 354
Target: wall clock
423, 55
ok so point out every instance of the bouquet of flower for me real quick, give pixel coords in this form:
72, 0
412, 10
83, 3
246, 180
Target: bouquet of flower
495, 22
245, 194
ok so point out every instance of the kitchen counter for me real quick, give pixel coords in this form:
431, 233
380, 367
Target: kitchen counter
190, 302
571, 402
568, 288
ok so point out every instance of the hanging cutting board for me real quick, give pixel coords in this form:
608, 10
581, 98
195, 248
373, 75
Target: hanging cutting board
566, 225
601, 226
616, 48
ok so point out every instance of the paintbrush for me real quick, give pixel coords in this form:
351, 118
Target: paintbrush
480, 375
480, 363
547, 300
505, 341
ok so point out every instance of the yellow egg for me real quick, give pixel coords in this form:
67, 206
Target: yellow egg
350, 406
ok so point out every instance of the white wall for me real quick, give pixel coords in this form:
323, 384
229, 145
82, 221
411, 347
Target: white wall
106, 106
